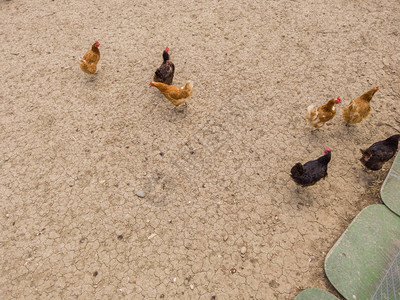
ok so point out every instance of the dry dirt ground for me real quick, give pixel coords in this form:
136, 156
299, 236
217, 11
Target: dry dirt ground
220, 216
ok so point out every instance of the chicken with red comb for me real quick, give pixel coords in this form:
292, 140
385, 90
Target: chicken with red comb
318, 116
165, 73
359, 108
177, 95
88, 62
312, 171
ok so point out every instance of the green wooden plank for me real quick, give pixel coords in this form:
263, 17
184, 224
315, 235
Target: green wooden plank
390, 191
315, 294
360, 258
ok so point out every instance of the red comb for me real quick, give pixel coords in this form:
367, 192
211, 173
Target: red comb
328, 149
166, 49
377, 87
151, 82
338, 99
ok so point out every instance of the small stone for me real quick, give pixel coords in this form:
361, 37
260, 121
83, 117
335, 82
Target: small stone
95, 273
151, 236
140, 194
120, 237
243, 250
191, 286
174, 280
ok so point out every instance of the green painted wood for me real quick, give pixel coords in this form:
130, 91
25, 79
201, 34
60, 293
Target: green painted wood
390, 191
315, 294
358, 261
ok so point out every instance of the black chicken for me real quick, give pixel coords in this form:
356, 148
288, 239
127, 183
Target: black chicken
375, 156
311, 171
165, 73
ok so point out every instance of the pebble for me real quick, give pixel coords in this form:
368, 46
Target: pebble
191, 286
140, 194
151, 236
243, 250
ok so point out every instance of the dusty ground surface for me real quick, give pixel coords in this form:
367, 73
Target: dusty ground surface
75, 149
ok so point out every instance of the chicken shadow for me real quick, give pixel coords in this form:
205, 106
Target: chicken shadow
301, 196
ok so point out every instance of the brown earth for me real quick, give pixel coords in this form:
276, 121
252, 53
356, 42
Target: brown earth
75, 149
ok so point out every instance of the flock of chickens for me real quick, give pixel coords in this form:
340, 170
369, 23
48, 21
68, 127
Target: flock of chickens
308, 174
162, 78
372, 158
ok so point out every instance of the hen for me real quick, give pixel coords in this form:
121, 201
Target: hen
175, 94
376, 155
318, 116
312, 171
88, 62
359, 107
165, 73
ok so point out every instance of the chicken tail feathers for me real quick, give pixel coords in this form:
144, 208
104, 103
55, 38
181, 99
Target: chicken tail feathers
85, 67
312, 109
189, 84
297, 170
312, 113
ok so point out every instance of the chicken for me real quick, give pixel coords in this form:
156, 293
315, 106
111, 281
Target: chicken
317, 117
88, 62
175, 94
165, 73
312, 171
378, 153
358, 108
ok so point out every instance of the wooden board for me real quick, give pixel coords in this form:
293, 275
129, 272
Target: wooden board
390, 191
359, 260
315, 294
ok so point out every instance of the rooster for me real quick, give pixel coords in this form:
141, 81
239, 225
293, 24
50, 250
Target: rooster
177, 95
359, 108
378, 153
165, 73
88, 62
312, 171
317, 117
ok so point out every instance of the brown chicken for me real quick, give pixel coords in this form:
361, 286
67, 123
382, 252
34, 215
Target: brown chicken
318, 116
88, 62
165, 73
177, 95
359, 107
